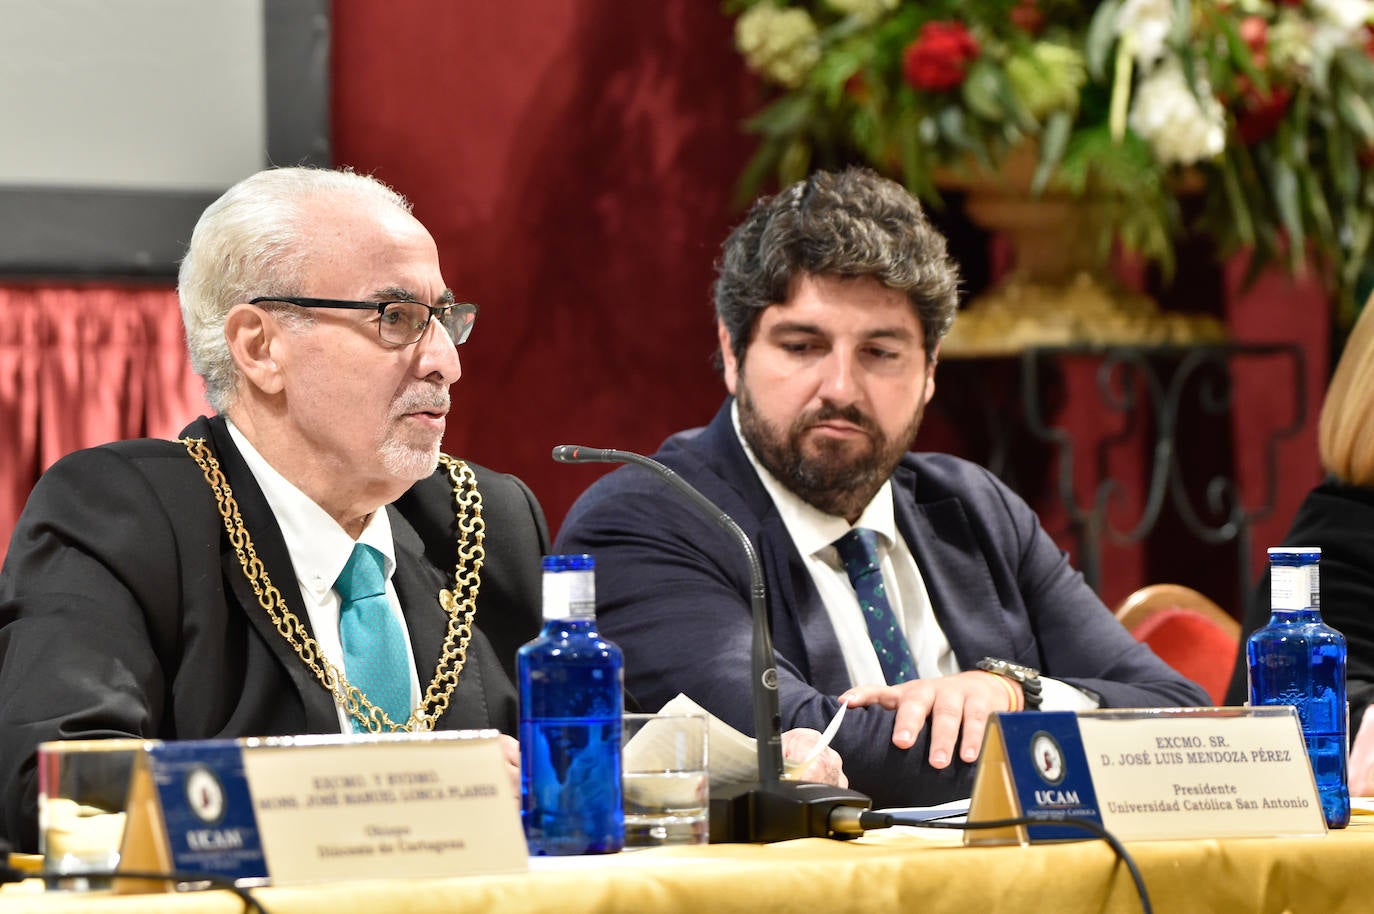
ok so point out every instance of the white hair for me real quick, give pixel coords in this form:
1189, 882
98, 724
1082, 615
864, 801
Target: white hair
252, 242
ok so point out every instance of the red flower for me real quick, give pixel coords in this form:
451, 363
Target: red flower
1254, 31
1027, 17
938, 58
856, 87
1258, 115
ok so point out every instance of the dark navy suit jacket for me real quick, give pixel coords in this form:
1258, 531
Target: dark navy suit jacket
673, 592
124, 610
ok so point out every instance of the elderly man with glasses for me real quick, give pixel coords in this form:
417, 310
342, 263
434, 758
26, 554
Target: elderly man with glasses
306, 560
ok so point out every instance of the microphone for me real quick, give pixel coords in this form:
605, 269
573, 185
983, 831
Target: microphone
770, 809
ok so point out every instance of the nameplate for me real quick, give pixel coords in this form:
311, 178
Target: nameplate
206, 808
314, 808
1146, 774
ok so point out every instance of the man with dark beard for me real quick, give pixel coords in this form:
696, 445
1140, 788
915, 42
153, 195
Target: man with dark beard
914, 587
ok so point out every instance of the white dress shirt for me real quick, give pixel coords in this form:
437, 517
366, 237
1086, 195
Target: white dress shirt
319, 549
814, 533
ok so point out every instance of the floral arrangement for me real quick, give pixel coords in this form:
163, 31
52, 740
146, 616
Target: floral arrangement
1258, 113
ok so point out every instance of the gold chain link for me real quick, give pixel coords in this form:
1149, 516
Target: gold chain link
460, 604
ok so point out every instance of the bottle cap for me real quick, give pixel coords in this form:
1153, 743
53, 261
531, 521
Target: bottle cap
569, 563
1294, 556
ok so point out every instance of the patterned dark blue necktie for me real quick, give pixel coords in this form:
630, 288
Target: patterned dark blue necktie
858, 550
373, 643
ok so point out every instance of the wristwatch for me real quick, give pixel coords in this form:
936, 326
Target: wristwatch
1027, 677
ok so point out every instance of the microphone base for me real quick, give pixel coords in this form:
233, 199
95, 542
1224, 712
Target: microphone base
761, 813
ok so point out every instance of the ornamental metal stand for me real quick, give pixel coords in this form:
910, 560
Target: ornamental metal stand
1152, 381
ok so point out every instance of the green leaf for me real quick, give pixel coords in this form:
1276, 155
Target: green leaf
868, 132
1357, 114
1054, 140
915, 175
1342, 164
1319, 74
1362, 235
1187, 56
950, 120
763, 164
787, 116
1323, 226
1240, 53
1285, 188
982, 91
1356, 67
1243, 222
1017, 113
795, 163
834, 71
1100, 38
1180, 25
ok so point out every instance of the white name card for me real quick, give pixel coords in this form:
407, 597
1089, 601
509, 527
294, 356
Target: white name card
1205, 772
439, 805
1143, 774
314, 808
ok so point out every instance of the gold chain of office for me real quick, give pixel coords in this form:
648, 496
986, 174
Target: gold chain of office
460, 604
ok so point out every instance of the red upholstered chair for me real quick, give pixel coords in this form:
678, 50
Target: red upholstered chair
1188, 631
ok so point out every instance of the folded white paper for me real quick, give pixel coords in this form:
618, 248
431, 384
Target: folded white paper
734, 756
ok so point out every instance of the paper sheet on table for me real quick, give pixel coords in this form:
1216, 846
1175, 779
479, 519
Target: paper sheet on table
952, 812
734, 758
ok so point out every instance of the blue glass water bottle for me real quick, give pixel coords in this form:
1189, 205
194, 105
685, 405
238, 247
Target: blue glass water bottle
571, 704
1299, 660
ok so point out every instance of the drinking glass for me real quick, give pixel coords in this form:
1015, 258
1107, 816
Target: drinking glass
666, 786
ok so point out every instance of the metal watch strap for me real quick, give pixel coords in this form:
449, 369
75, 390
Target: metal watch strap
1026, 677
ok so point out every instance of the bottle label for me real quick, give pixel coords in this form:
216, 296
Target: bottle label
569, 595
1293, 587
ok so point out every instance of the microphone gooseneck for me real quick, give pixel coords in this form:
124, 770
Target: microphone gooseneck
773, 809
763, 666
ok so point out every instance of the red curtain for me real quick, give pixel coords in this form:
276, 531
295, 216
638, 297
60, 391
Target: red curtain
82, 365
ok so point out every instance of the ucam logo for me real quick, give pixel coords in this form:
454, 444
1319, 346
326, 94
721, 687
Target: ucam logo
205, 794
1056, 798
1047, 757
214, 839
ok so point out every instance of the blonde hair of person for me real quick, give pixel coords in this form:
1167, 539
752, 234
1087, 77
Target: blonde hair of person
1345, 434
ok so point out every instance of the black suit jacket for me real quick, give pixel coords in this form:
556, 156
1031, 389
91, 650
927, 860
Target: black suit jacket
673, 591
124, 610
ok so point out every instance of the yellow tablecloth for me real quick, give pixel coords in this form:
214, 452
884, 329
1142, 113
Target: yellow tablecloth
883, 871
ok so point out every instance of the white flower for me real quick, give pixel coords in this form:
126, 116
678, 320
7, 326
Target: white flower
865, 10
779, 44
1290, 42
1147, 22
1338, 24
1345, 16
1169, 117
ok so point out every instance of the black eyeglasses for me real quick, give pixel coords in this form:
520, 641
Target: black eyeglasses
400, 323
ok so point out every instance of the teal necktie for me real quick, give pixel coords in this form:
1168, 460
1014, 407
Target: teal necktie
858, 550
373, 644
